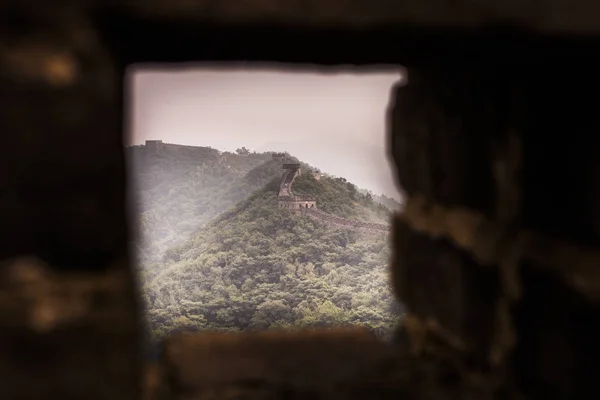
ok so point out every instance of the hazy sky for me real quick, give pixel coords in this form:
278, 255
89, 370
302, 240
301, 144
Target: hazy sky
333, 121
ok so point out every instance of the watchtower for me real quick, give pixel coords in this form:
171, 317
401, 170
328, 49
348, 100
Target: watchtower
153, 145
291, 166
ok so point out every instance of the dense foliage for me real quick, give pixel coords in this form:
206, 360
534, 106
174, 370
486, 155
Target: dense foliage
179, 189
339, 197
255, 266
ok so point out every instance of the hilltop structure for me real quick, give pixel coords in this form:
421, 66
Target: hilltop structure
286, 197
307, 205
153, 145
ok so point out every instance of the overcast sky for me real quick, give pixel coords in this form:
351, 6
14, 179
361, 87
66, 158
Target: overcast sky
333, 121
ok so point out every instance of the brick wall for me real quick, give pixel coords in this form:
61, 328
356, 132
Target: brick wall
346, 223
493, 253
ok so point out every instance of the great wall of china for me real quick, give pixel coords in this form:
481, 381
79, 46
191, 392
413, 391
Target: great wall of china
307, 206
298, 204
346, 223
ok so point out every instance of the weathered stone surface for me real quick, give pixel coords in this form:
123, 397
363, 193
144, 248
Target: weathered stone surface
437, 119
490, 245
560, 157
305, 360
62, 110
66, 336
557, 353
68, 315
69, 321
154, 386
439, 282
339, 364
504, 194
503, 112
549, 16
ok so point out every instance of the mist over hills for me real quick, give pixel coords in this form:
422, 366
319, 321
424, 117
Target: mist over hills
365, 163
180, 189
217, 253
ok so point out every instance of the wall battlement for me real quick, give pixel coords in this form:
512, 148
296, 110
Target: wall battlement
307, 205
291, 166
345, 223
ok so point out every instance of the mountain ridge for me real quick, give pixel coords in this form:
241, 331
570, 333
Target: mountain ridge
179, 188
254, 265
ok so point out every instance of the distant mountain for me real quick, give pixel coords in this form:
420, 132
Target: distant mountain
180, 188
249, 264
388, 202
359, 161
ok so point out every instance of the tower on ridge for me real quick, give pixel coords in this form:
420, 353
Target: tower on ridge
291, 166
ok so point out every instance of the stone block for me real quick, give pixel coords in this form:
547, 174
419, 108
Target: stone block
436, 125
443, 286
68, 300
67, 336
561, 167
285, 363
552, 16
557, 352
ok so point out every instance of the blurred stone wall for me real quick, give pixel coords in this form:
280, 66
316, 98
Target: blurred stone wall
495, 256
496, 251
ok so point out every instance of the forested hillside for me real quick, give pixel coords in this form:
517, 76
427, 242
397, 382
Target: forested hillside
248, 264
335, 195
180, 189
